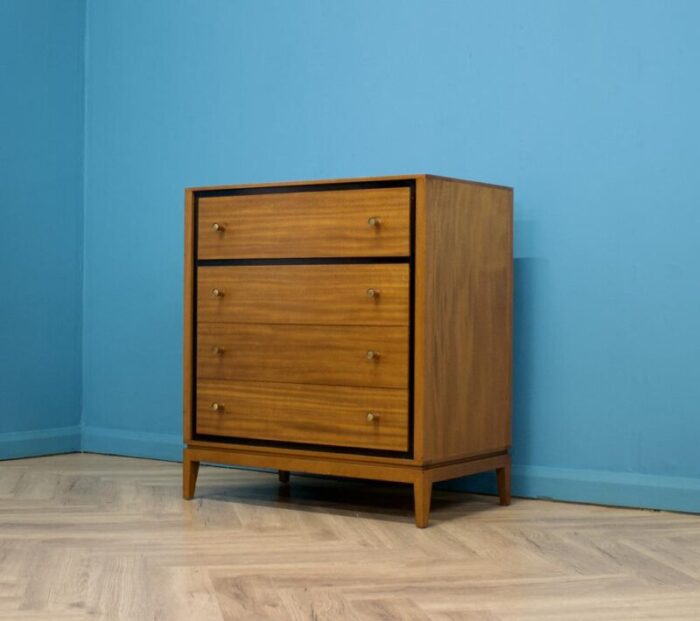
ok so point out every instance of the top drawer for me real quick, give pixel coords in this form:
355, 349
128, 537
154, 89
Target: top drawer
335, 223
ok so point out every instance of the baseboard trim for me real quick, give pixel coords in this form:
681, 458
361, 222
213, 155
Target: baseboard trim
600, 487
109, 441
16, 445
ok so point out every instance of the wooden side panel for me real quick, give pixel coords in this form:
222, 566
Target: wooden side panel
334, 415
187, 315
419, 322
329, 355
305, 224
304, 294
467, 263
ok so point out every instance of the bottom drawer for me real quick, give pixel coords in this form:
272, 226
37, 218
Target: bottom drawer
373, 418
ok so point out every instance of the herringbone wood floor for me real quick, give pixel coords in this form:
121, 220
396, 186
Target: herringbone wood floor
96, 537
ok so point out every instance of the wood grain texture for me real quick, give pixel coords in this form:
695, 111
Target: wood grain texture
91, 537
304, 294
419, 332
188, 306
342, 465
190, 471
422, 495
467, 264
312, 182
305, 224
503, 477
278, 331
330, 355
465, 467
334, 415
316, 453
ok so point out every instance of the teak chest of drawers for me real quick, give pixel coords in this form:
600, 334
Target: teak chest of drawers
357, 328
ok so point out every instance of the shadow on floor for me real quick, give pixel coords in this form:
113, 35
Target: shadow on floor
339, 496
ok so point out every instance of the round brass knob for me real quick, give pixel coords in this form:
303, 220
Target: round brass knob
372, 355
216, 350
372, 293
219, 228
374, 221
217, 293
217, 407
372, 417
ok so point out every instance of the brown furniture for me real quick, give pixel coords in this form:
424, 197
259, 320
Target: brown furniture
357, 328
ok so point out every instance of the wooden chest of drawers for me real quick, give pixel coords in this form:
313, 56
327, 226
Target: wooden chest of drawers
356, 328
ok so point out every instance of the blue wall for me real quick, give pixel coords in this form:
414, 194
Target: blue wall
588, 109
41, 167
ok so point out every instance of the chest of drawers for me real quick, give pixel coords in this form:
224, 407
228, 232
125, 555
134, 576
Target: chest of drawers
357, 328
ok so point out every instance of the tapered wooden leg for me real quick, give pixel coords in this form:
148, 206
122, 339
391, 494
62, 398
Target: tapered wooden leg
190, 470
422, 491
503, 475
283, 476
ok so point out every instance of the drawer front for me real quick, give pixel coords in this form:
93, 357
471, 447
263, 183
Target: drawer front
305, 224
331, 415
329, 355
374, 294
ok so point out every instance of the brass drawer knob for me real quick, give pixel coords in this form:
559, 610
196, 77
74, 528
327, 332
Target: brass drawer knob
217, 293
372, 417
219, 228
217, 351
372, 293
372, 355
217, 407
374, 221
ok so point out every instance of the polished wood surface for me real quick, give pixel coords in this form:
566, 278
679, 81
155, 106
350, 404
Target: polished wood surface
346, 466
317, 452
466, 262
419, 329
334, 415
503, 477
422, 497
99, 538
188, 308
305, 224
190, 469
340, 464
313, 182
273, 330
370, 294
333, 355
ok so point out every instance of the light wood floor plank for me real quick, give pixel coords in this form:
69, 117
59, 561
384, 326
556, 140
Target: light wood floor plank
110, 539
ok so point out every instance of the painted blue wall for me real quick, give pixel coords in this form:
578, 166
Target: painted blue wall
588, 109
41, 227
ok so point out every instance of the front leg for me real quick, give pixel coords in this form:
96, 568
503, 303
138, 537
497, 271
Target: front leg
422, 492
190, 470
